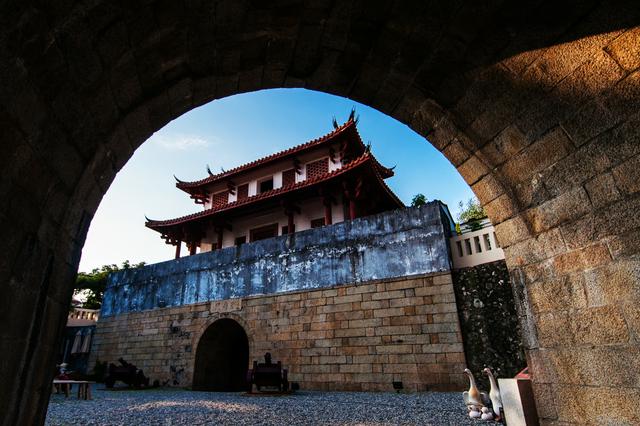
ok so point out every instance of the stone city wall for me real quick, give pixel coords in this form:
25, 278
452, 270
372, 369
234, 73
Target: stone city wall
351, 306
398, 243
351, 337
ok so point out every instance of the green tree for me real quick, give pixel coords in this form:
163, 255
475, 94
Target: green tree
418, 200
471, 213
92, 284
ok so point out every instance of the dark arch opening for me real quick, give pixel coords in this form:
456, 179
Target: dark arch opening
222, 358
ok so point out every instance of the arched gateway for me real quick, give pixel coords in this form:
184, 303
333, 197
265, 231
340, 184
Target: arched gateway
222, 358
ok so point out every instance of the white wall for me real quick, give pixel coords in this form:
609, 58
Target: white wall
253, 177
475, 248
309, 210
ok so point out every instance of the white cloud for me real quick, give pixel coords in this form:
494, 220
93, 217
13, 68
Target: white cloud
181, 142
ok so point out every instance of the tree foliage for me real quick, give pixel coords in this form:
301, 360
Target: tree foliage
418, 200
92, 284
471, 212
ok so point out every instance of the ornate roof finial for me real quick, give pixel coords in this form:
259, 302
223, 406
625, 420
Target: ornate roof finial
335, 122
209, 170
352, 115
177, 180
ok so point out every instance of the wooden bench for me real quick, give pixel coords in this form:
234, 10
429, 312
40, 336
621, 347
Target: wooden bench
84, 387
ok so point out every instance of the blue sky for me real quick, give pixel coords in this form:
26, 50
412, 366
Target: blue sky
235, 130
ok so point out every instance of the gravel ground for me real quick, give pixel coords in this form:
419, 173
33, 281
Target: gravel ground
169, 407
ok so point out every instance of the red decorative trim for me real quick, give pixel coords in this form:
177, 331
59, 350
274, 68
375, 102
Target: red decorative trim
289, 177
220, 198
317, 168
243, 192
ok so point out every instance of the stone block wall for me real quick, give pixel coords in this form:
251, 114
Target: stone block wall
351, 337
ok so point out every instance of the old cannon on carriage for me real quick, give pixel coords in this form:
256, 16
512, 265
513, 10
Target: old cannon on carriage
127, 373
267, 375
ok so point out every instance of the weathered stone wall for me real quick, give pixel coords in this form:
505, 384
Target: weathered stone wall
488, 320
353, 337
393, 244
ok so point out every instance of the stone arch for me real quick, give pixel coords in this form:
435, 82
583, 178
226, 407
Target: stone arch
222, 357
540, 120
224, 315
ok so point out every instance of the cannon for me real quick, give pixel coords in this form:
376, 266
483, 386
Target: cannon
127, 373
267, 374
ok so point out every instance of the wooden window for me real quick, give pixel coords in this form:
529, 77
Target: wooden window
317, 168
266, 185
219, 199
288, 177
240, 240
317, 223
243, 191
264, 232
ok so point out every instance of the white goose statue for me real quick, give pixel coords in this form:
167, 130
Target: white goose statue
494, 395
474, 398
486, 414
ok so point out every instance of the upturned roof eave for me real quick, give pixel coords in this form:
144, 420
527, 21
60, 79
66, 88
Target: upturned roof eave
367, 158
191, 187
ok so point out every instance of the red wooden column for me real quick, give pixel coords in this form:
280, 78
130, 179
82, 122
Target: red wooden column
289, 221
350, 196
178, 246
290, 209
192, 248
356, 195
328, 217
220, 233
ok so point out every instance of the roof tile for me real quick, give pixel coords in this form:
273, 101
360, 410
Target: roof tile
187, 186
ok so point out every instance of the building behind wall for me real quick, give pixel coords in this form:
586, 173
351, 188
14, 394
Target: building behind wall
308, 255
318, 183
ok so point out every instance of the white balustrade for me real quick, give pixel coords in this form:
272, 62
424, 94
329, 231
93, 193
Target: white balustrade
86, 314
473, 248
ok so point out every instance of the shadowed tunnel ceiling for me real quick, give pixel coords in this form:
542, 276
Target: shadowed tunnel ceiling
536, 103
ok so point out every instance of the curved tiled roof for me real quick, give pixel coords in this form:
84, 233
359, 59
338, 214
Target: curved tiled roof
186, 186
379, 170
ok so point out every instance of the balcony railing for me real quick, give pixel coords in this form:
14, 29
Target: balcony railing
473, 248
85, 314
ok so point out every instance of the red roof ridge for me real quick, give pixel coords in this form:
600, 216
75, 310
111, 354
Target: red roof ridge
184, 185
367, 156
